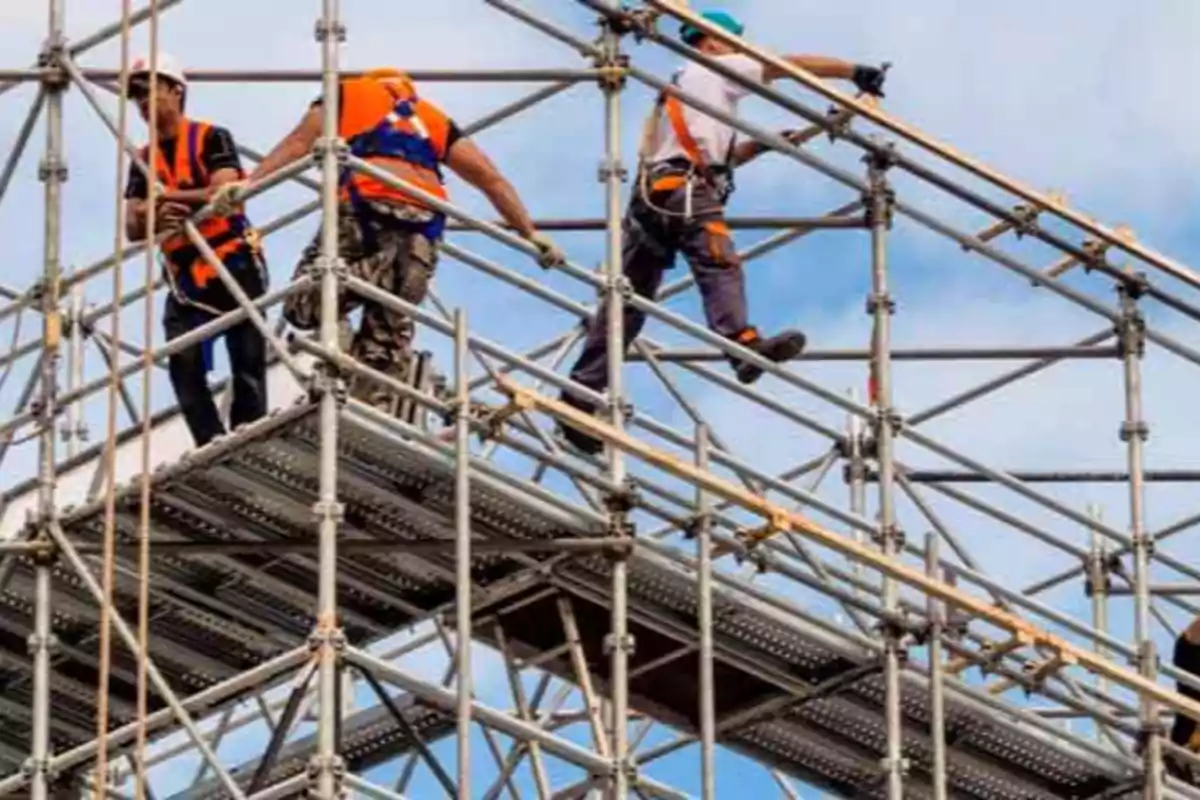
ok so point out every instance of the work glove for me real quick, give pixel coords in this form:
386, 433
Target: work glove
549, 255
171, 215
225, 198
869, 80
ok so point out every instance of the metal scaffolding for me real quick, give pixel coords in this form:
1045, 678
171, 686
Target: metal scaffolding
672, 585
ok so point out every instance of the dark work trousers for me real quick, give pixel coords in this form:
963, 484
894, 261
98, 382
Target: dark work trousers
243, 343
1185, 731
652, 241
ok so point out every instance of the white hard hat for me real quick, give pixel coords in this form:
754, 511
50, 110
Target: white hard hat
168, 67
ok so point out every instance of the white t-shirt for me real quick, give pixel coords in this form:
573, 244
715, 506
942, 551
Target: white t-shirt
712, 136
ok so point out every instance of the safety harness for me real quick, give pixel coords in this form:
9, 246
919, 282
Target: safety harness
676, 173
400, 135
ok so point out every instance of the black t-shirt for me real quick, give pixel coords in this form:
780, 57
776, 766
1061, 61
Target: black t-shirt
455, 133
218, 152
1187, 659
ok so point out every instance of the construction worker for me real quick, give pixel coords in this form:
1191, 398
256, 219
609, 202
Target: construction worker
1186, 732
386, 236
193, 159
678, 205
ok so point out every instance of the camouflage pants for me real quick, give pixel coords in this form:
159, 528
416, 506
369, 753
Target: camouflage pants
392, 257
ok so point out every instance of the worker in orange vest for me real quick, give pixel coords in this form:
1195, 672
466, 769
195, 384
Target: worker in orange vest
678, 205
192, 160
386, 236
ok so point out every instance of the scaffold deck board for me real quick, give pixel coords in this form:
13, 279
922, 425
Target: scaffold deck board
215, 615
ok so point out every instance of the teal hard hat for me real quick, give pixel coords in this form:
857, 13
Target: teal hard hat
690, 34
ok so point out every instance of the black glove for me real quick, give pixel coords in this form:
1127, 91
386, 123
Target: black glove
869, 79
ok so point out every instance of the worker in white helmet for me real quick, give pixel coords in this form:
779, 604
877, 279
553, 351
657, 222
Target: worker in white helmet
192, 160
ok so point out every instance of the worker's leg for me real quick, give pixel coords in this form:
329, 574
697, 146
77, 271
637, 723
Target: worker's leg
647, 253
247, 348
188, 377
710, 251
403, 266
1185, 732
303, 309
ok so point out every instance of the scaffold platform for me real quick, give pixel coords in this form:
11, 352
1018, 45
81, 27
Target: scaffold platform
804, 697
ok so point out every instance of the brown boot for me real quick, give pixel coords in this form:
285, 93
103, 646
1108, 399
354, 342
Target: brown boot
779, 348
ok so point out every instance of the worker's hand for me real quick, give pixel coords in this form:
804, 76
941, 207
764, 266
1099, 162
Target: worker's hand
225, 198
869, 80
172, 214
549, 254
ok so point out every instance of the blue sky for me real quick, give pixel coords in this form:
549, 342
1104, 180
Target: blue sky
1077, 96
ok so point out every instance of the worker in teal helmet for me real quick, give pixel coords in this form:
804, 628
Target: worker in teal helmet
691, 34
684, 181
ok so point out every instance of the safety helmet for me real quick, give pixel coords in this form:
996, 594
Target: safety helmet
168, 67
722, 19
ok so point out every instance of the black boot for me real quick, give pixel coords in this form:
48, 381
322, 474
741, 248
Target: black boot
577, 439
781, 347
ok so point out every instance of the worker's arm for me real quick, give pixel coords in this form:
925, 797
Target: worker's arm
868, 79
821, 66
747, 151
296, 144
472, 165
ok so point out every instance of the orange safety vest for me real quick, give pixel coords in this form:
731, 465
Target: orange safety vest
386, 124
224, 235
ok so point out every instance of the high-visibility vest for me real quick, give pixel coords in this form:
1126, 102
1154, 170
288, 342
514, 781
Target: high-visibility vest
224, 234
386, 124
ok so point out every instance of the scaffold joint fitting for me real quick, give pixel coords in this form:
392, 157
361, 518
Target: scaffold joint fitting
35, 643
613, 71
1131, 429
323, 29
882, 300
326, 379
888, 765
626, 643
622, 500
331, 636
329, 510
335, 147
52, 168
890, 534
612, 168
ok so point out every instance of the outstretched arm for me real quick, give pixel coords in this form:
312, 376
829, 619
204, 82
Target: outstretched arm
472, 165
295, 145
869, 80
821, 66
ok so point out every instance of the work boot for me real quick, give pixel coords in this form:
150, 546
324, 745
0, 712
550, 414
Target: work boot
781, 347
574, 438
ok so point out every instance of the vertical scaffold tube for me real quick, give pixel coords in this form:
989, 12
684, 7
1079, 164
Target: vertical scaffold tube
1098, 584
856, 476
620, 642
52, 173
328, 512
462, 548
937, 672
1134, 433
708, 723
881, 308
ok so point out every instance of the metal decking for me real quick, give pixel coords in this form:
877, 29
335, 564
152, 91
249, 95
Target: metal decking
216, 615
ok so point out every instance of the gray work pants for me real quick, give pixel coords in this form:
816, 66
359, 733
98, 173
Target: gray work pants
652, 241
